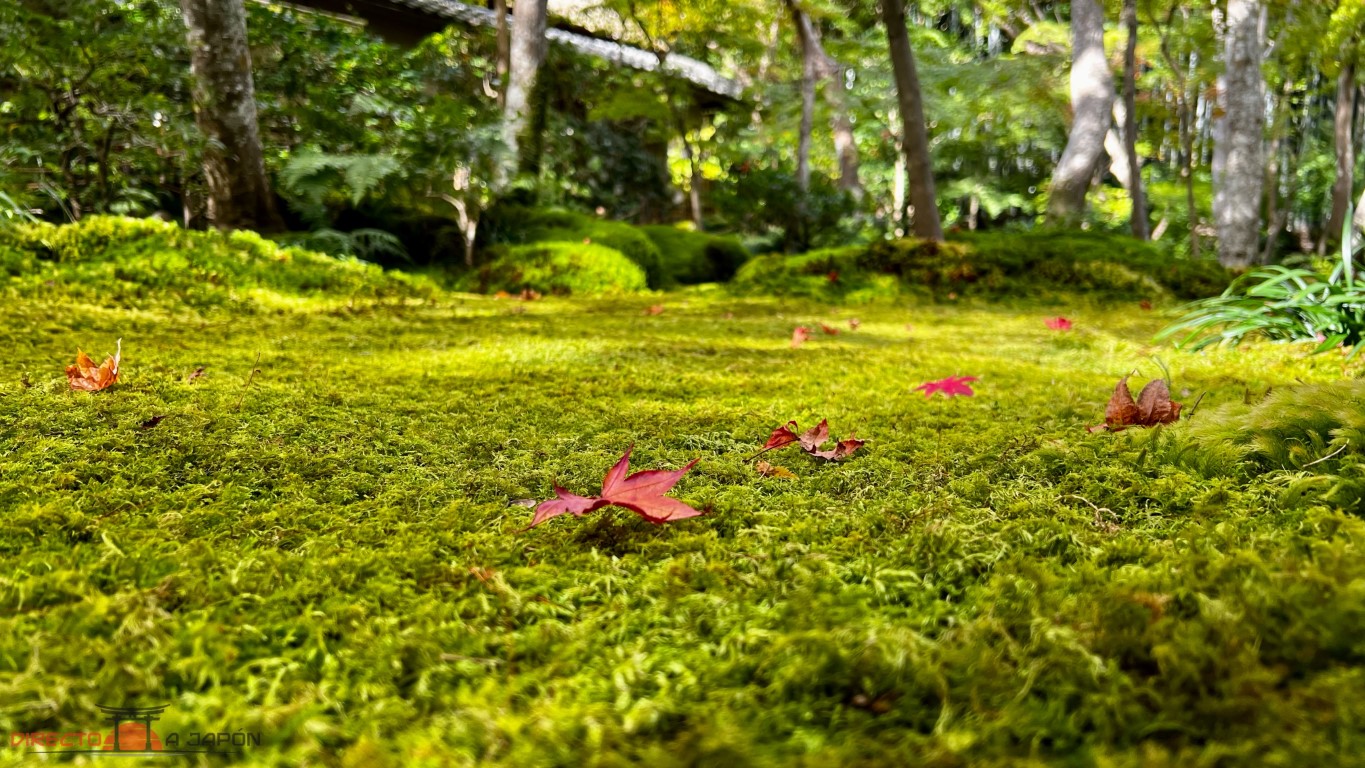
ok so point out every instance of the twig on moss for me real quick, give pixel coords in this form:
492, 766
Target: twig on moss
254, 370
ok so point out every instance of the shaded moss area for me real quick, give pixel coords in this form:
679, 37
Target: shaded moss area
324, 551
1052, 265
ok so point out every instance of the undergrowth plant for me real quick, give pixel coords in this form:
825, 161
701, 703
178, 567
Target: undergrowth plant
1284, 304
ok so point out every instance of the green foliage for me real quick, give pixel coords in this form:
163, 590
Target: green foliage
1311, 438
1284, 304
137, 263
559, 268
309, 178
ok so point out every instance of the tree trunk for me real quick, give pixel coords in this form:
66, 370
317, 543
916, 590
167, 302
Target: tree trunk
1135, 188
695, 178
225, 110
805, 35
1343, 132
1092, 101
914, 134
1239, 169
822, 67
503, 66
527, 52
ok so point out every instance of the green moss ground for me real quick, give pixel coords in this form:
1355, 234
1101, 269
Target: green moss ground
328, 555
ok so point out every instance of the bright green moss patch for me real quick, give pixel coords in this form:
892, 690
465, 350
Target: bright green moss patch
136, 263
560, 268
327, 555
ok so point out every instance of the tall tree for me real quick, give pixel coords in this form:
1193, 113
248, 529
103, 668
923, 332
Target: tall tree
1239, 165
1135, 188
225, 110
1343, 136
914, 134
1092, 102
526, 54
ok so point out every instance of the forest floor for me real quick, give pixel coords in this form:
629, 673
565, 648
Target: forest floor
326, 552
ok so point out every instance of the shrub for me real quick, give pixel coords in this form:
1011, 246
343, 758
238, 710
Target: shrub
131, 262
558, 268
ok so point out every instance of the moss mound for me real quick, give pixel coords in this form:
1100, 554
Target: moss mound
669, 256
135, 262
696, 257
1028, 264
560, 268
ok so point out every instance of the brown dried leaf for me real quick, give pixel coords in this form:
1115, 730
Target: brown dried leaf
769, 470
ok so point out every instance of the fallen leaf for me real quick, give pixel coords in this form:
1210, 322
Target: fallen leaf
529, 295
829, 329
811, 440
1145, 304
768, 470
854, 323
1153, 406
641, 493
833, 276
152, 422
1058, 324
950, 387
657, 309
197, 373
800, 335
502, 295
85, 376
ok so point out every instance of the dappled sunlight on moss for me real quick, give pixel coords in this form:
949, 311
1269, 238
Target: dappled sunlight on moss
325, 551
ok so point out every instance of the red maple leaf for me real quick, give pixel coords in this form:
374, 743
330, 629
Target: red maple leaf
811, 440
1059, 324
800, 335
641, 493
1153, 406
829, 329
950, 387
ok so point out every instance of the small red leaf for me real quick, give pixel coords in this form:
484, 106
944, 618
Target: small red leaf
641, 493
800, 335
1058, 324
952, 386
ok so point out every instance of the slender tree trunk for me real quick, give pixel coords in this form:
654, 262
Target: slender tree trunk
504, 63
1135, 189
914, 134
1239, 170
225, 110
527, 53
825, 68
1092, 101
1343, 132
1359, 218
695, 180
805, 35
1117, 151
